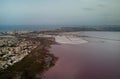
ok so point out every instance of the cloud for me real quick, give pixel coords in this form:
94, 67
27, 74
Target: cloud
58, 11
88, 9
101, 5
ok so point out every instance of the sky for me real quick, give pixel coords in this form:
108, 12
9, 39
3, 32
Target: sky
59, 12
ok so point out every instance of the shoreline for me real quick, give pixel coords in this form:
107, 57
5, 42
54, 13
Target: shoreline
27, 46
35, 63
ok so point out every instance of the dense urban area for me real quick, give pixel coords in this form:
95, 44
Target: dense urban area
24, 49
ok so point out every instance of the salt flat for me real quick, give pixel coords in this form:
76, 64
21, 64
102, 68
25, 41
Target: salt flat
66, 38
69, 39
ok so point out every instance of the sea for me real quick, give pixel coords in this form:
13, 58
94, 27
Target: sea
9, 28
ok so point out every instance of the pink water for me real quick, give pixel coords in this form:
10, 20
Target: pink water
93, 60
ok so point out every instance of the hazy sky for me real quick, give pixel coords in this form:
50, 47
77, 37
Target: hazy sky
76, 12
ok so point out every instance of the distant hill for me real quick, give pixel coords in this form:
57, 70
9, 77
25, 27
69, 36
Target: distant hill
92, 28
6, 28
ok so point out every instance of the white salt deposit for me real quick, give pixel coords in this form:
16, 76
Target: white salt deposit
69, 40
66, 38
